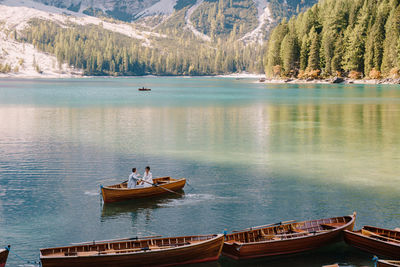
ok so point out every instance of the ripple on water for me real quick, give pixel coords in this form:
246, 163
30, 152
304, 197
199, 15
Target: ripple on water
193, 199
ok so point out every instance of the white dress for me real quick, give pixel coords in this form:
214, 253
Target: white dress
148, 178
133, 178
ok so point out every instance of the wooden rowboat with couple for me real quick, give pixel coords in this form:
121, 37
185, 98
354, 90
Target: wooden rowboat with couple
162, 185
136, 252
286, 237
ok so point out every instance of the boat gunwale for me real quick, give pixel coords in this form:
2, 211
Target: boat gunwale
141, 188
358, 233
353, 218
213, 238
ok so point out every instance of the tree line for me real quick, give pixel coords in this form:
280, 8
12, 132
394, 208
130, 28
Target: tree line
355, 38
102, 52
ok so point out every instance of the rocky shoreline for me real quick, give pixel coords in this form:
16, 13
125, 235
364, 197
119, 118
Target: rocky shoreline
335, 80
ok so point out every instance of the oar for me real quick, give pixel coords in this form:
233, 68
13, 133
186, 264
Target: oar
263, 226
169, 190
116, 240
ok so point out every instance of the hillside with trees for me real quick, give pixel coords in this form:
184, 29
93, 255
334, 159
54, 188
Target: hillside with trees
101, 52
354, 38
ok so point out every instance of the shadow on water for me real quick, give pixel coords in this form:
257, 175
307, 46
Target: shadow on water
117, 209
338, 253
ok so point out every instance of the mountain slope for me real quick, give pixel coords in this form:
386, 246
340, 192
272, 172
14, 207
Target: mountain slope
212, 36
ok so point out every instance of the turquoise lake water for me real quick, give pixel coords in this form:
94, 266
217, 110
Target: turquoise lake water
253, 154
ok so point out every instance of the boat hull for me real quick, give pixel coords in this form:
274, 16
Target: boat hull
371, 245
388, 263
111, 194
209, 250
3, 257
238, 251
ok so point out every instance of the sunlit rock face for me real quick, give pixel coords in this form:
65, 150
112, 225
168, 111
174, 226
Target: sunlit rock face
119, 9
129, 10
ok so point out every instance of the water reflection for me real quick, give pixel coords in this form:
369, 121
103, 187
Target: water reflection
338, 253
135, 208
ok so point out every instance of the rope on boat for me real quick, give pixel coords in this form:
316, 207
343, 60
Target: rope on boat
38, 263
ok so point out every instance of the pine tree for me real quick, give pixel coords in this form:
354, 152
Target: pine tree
274, 46
314, 57
390, 57
289, 54
304, 51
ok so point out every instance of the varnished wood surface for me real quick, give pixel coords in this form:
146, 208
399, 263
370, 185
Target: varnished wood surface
120, 192
388, 263
3, 257
287, 238
383, 242
148, 252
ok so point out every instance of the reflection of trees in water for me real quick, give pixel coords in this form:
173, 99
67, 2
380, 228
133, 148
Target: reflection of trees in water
135, 208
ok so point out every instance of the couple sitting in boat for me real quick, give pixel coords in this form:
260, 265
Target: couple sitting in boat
135, 182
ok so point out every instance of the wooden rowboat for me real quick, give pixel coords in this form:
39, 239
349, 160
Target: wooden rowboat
120, 192
388, 263
3, 256
378, 241
145, 252
286, 238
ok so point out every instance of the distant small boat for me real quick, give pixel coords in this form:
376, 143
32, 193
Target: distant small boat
120, 192
3, 256
144, 89
286, 238
378, 241
261, 80
388, 263
132, 252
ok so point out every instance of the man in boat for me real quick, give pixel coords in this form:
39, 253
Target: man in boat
133, 179
147, 179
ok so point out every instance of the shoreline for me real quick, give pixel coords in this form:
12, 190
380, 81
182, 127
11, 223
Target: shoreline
260, 77
386, 81
78, 75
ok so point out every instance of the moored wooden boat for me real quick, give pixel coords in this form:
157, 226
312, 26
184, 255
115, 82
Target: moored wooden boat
120, 192
3, 256
146, 252
286, 238
378, 241
388, 263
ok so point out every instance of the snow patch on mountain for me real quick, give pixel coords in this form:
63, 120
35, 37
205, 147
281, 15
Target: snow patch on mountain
189, 23
28, 62
17, 13
265, 23
163, 7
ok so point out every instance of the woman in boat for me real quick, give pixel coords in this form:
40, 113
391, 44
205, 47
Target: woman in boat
133, 179
147, 179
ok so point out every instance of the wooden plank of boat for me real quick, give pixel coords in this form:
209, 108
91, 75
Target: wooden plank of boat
3, 256
388, 263
286, 238
146, 252
378, 241
120, 192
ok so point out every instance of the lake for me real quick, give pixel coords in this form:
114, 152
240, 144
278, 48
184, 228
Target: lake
252, 153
